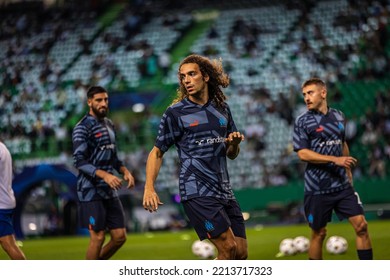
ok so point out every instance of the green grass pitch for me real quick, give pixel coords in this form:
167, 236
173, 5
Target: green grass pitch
263, 244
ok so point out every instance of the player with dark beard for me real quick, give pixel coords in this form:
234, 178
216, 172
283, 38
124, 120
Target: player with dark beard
95, 156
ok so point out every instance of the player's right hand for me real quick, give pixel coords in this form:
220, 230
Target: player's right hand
151, 201
113, 181
346, 161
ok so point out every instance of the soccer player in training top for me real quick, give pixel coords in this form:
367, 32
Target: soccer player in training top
95, 156
7, 206
319, 140
199, 123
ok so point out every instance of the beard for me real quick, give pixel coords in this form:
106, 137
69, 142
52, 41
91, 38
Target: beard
100, 114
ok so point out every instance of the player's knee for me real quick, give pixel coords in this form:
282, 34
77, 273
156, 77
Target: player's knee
98, 238
229, 250
320, 234
362, 228
120, 240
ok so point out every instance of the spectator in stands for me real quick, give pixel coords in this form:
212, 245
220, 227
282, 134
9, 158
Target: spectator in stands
199, 123
95, 156
377, 157
164, 61
319, 140
7, 206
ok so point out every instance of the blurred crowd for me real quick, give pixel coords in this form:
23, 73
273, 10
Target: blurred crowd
39, 107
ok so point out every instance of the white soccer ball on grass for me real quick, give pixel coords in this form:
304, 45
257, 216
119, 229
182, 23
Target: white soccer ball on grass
286, 247
301, 244
336, 245
203, 249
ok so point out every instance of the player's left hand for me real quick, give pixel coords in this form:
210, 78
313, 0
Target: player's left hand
235, 138
130, 179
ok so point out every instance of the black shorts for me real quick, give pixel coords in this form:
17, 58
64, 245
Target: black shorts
211, 216
101, 215
319, 208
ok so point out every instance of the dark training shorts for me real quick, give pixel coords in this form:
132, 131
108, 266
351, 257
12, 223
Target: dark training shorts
100, 215
211, 216
6, 226
319, 208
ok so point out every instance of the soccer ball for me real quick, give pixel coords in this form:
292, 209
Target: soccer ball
301, 244
287, 247
203, 249
336, 245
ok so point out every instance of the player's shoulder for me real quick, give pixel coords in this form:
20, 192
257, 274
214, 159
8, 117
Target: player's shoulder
109, 122
179, 108
338, 113
303, 117
86, 122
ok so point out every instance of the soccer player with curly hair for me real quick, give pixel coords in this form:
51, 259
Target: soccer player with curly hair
199, 123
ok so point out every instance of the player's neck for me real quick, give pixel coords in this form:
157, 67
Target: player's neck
323, 109
201, 98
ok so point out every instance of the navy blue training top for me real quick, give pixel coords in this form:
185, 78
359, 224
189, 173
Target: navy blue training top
323, 134
94, 148
199, 133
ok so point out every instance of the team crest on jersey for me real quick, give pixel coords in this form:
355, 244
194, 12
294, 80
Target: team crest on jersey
222, 122
98, 135
341, 126
320, 129
208, 225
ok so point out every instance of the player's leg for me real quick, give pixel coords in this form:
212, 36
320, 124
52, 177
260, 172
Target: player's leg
351, 207
7, 236
210, 221
115, 221
242, 248
316, 243
9, 245
92, 215
233, 210
118, 238
363, 241
359, 224
96, 242
226, 245
318, 212
230, 247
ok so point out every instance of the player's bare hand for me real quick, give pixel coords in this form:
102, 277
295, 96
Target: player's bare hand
347, 162
235, 138
130, 179
113, 181
151, 201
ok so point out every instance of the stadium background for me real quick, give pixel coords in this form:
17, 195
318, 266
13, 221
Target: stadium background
52, 51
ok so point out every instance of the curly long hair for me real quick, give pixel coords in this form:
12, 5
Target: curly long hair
217, 78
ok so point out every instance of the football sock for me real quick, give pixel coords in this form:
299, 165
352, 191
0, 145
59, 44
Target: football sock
365, 254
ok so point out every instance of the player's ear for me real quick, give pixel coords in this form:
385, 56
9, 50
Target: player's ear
206, 78
324, 92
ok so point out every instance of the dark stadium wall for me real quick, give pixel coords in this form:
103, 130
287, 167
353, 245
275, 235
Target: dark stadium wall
372, 191
30, 177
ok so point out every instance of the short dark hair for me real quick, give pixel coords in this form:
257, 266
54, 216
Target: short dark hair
314, 81
95, 90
